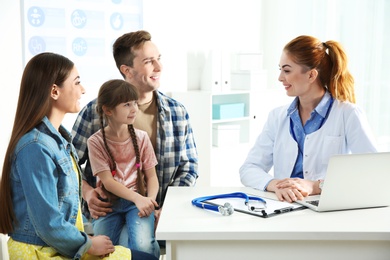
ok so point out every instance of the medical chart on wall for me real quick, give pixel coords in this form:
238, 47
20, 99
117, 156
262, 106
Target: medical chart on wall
83, 31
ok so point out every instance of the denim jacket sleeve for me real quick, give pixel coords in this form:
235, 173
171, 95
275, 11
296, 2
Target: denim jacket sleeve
49, 185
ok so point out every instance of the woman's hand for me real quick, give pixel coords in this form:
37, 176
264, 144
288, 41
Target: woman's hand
288, 194
289, 190
292, 189
305, 187
101, 246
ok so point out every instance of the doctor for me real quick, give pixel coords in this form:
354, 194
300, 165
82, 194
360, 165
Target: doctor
323, 120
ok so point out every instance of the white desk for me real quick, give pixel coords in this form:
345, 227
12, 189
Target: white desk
194, 233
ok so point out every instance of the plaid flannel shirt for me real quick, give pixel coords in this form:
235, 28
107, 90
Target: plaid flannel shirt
175, 145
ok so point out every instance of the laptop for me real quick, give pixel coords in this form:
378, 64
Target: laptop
353, 181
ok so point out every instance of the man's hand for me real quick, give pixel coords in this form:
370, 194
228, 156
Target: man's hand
97, 207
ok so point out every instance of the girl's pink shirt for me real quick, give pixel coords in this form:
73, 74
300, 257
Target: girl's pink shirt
123, 152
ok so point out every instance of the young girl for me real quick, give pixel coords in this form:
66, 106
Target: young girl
124, 162
40, 185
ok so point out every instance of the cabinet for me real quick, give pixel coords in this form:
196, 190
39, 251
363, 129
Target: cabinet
233, 134
219, 165
227, 111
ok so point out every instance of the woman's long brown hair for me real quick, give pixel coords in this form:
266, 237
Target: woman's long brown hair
34, 103
329, 59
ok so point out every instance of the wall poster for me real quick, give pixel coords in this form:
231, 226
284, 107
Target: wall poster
83, 31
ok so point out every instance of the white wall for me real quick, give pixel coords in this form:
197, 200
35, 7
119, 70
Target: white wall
177, 27
180, 28
10, 68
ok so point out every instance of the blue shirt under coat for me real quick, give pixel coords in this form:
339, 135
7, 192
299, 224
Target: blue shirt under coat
298, 131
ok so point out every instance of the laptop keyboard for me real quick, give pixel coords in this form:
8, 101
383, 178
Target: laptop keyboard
313, 202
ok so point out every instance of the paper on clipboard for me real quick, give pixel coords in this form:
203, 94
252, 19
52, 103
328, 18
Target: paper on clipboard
272, 207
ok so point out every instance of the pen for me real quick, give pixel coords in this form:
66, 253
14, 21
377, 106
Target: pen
257, 207
283, 210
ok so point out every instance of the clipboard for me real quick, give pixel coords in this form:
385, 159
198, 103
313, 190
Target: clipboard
273, 207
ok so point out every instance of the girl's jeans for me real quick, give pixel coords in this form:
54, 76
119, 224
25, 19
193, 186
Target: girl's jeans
140, 230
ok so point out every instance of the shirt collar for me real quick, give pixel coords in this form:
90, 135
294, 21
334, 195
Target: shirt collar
62, 133
324, 105
322, 108
293, 107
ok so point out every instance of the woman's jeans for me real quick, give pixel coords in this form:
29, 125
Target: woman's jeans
140, 230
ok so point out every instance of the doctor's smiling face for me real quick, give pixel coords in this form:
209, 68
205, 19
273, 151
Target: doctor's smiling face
296, 78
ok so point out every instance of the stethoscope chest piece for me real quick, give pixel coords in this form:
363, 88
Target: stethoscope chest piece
226, 210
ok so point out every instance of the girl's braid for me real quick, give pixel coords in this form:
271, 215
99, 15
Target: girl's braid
113, 164
140, 176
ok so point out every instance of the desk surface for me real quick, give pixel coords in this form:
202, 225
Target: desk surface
180, 220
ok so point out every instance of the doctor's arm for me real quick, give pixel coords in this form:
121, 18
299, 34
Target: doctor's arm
359, 139
292, 189
259, 161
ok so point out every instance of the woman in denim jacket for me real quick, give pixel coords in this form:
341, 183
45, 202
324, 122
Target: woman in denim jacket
40, 185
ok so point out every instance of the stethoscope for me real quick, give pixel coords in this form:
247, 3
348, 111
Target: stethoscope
227, 209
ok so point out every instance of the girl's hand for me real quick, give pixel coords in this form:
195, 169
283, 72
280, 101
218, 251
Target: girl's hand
101, 246
145, 206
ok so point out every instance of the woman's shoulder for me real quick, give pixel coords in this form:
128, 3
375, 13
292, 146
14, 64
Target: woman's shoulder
347, 111
35, 138
345, 106
279, 110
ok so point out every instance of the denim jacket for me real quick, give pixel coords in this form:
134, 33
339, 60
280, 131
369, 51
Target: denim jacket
46, 191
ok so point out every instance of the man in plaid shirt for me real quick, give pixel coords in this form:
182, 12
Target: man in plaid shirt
164, 119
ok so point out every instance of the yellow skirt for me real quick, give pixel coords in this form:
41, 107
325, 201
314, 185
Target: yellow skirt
21, 251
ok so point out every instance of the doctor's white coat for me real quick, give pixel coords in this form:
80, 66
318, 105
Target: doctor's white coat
346, 130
